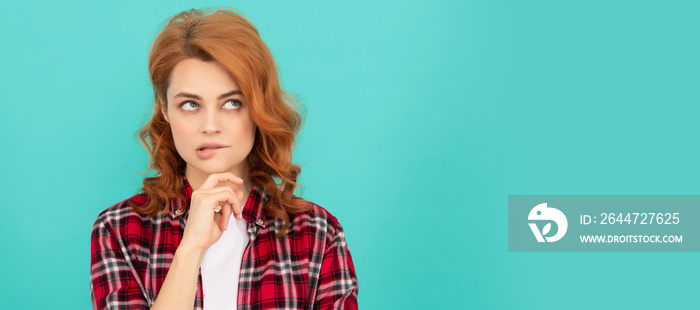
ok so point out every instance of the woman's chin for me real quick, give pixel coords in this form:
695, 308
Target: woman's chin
212, 169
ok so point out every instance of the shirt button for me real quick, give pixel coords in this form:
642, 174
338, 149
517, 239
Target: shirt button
178, 211
259, 222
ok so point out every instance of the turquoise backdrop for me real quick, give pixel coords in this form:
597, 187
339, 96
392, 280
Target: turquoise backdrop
423, 116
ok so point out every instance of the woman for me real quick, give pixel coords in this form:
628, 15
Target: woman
218, 225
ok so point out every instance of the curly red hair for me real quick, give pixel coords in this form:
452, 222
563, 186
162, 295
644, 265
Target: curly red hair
230, 39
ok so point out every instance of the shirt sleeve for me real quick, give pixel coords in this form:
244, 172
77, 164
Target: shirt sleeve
337, 282
113, 284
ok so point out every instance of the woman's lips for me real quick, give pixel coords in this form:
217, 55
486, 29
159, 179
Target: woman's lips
208, 150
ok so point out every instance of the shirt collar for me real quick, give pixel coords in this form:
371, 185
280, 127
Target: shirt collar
253, 211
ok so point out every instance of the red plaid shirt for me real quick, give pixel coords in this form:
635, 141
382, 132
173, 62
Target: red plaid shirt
309, 268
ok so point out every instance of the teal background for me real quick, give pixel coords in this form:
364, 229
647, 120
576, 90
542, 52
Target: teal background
423, 116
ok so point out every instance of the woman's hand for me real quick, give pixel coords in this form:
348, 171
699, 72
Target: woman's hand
210, 210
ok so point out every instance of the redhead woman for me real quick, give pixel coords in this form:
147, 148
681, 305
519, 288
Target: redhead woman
218, 225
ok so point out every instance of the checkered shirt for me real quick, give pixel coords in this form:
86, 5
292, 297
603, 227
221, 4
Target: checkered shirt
309, 268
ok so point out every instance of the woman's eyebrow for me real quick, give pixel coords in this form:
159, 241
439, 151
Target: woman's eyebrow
193, 96
231, 93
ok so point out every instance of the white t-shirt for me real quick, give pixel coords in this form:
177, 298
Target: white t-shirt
221, 267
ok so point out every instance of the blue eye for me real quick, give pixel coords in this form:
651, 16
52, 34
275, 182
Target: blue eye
232, 104
189, 106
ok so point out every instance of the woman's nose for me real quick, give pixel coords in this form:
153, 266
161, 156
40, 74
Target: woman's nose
211, 123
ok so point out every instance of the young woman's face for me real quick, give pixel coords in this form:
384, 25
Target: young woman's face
210, 119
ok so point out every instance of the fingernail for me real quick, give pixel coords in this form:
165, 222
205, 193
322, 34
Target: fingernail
239, 179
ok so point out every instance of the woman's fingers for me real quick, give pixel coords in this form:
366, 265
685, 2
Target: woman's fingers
226, 202
209, 191
211, 208
239, 193
225, 216
216, 178
238, 203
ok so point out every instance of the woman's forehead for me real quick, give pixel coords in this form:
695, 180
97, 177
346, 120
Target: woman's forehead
203, 78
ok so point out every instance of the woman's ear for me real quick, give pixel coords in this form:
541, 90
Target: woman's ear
165, 114
164, 110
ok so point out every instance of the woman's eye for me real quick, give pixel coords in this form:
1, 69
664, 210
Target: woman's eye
189, 106
232, 104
